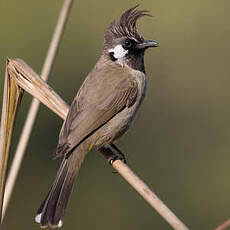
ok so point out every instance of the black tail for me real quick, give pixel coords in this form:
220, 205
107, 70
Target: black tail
52, 209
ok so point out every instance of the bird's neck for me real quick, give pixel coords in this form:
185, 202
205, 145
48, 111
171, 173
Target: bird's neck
134, 62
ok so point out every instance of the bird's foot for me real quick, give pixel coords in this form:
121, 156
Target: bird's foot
112, 153
117, 156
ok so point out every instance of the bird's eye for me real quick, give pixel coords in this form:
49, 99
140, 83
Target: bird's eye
127, 43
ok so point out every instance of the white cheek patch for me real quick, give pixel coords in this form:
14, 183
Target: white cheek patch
119, 51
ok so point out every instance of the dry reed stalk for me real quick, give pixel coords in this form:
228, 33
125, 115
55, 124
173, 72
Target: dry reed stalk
26, 132
11, 97
223, 226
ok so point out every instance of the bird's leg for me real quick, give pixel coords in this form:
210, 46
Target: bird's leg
112, 153
121, 156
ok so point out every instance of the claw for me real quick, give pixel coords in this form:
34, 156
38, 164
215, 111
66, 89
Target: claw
112, 153
115, 157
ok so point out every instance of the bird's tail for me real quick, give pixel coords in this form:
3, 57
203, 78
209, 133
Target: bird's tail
52, 209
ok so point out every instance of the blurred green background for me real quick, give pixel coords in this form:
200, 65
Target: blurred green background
179, 143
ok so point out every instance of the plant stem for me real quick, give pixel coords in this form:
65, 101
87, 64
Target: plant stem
25, 135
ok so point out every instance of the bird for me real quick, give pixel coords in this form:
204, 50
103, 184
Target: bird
102, 110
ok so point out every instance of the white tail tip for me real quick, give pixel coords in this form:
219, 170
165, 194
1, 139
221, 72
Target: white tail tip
60, 223
38, 218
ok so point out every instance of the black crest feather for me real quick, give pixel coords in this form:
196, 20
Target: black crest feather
126, 26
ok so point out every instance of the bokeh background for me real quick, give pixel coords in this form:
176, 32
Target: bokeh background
179, 143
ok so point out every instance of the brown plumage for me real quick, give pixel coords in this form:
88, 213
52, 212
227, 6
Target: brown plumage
102, 110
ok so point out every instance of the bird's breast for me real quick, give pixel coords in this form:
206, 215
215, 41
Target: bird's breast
120, 123
128, 114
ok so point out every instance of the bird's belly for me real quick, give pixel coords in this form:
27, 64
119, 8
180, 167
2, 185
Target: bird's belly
115, 128
120, 123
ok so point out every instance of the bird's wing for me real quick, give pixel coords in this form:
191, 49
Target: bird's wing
80, 125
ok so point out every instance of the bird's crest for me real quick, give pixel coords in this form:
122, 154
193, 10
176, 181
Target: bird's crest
126, 26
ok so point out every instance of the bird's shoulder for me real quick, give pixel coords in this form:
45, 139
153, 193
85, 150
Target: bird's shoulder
102, 80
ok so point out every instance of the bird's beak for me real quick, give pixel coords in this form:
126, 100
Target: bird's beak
146, 44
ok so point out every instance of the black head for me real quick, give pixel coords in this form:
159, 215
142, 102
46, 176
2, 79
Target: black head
123, 43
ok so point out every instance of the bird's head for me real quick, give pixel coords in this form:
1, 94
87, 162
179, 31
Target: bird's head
123, 43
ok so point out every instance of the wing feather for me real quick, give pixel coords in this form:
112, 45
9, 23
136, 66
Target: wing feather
79, 125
